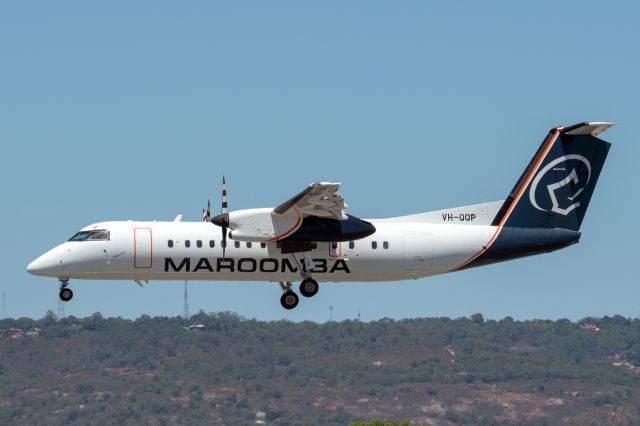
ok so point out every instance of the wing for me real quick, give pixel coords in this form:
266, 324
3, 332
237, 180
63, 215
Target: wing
319, 199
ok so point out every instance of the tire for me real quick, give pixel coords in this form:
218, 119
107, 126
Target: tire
309, 287
66, 294
289, 300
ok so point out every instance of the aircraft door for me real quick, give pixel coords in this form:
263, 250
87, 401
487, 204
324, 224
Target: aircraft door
142, 248
418, 252
335, 249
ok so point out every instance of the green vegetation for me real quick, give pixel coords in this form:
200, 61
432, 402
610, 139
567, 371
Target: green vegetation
236, 371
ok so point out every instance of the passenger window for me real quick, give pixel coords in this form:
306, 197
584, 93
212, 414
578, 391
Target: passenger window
351, 245
187, 243
237, 244
212, 243
199, 243
334, 245
263, 245
170, 243
249, 244
374, 245
223, 244
385, 245
314, 246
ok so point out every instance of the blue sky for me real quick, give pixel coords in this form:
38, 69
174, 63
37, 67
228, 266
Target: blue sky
126, 110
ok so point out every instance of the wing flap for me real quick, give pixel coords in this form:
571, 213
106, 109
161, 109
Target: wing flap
318, 199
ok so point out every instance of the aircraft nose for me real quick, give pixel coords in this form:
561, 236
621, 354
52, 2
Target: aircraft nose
47, 264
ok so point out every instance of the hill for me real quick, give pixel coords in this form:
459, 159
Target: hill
224, 369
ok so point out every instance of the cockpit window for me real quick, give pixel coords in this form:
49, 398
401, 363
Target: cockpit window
95, 235
80, 236
99, 235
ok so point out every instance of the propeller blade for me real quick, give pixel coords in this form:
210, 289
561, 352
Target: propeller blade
224, 241
225, 206
222, 220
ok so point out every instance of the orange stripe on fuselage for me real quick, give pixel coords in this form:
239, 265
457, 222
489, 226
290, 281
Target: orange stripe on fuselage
525, 184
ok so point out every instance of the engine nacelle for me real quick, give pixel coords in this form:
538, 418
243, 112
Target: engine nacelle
262, 225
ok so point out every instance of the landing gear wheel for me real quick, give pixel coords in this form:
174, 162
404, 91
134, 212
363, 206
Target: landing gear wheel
309, 287
66, 294
289, 300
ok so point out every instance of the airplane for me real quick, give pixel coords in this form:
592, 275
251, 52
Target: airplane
312, 239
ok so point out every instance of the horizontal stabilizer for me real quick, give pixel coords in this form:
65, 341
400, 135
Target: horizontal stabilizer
594, 128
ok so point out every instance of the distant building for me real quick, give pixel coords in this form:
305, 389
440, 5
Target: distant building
589, 327
196, 327
34, 332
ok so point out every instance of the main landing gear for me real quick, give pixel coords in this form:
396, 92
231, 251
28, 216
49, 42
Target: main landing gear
308, 287
289, 299
65, 293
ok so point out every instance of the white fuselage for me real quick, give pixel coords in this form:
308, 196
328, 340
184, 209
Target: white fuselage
398, 250
401, 248
288, 243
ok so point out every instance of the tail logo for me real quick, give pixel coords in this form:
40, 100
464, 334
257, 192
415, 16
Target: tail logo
570, 178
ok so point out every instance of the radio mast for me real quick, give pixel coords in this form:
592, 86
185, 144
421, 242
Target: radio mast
185, 307
60, 309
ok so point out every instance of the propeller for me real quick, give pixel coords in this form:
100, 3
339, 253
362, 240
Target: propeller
206, 214
222, 220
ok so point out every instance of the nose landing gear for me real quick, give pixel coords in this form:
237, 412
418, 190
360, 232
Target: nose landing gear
65, 293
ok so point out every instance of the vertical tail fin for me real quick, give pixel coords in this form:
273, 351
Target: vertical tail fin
555, 189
